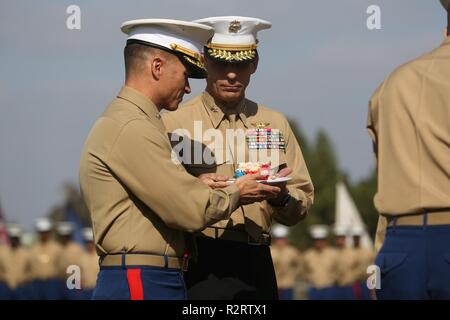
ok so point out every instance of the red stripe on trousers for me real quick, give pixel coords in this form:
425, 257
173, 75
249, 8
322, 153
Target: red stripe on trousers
135, 284
357, 291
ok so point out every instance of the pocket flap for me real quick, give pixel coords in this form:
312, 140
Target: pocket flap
388, 261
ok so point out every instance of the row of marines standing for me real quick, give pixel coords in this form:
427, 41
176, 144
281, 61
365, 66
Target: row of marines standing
336, 271
41, 271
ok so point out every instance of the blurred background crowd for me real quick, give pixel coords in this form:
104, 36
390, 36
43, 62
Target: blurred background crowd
323, 257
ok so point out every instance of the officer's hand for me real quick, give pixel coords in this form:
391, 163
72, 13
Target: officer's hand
282, 185
253, 191
214, 180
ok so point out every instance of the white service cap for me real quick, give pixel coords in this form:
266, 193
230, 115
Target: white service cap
88, 234
319, 231
339, 230
235, 38
14, 231
65, 228
280, 231
43, 224
183, 38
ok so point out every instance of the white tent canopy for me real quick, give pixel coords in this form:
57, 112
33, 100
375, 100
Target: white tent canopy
348, 217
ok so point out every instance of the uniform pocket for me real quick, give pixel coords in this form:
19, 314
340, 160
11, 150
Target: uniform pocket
388, 262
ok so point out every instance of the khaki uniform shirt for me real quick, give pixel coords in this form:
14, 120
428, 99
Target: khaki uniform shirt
201, 118
3, 262
139, 199
89, 270
365, 257
43, 260
348, 267
18, 272
287, 262
319, 267
71, 254
409, 123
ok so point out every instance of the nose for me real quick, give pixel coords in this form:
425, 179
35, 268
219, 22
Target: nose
187, 87
231, 75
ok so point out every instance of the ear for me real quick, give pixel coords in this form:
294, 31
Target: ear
254, 64
156, 66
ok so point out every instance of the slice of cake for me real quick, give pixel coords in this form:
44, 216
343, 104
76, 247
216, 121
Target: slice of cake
261, 168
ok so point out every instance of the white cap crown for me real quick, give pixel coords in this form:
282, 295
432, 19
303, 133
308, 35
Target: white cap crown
318, 231
88, 234
65, 228
280, 231
235, 37
43, 224
183, 38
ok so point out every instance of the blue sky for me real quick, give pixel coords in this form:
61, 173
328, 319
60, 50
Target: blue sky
319, 65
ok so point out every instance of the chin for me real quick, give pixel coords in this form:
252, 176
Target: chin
172, 108
231, 96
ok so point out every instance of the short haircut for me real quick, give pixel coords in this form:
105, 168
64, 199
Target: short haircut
136, 56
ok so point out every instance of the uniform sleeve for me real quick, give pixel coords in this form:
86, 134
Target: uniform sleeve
372, 120
141, 160
300, 187
372, 127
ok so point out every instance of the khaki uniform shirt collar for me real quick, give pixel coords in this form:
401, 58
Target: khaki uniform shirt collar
139, 100
216, 111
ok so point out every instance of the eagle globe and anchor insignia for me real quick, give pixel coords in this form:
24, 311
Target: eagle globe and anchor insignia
234, 27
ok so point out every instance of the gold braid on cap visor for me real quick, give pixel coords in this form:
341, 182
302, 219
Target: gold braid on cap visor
190, 55
232, 52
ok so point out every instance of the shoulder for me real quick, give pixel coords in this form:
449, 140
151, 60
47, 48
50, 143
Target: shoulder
137, 132
76, 248
292, 251
121, 111
332, 252
408, 74
118, 115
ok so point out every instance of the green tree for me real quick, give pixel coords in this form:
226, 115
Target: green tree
322, 165
363, 193
301, 139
